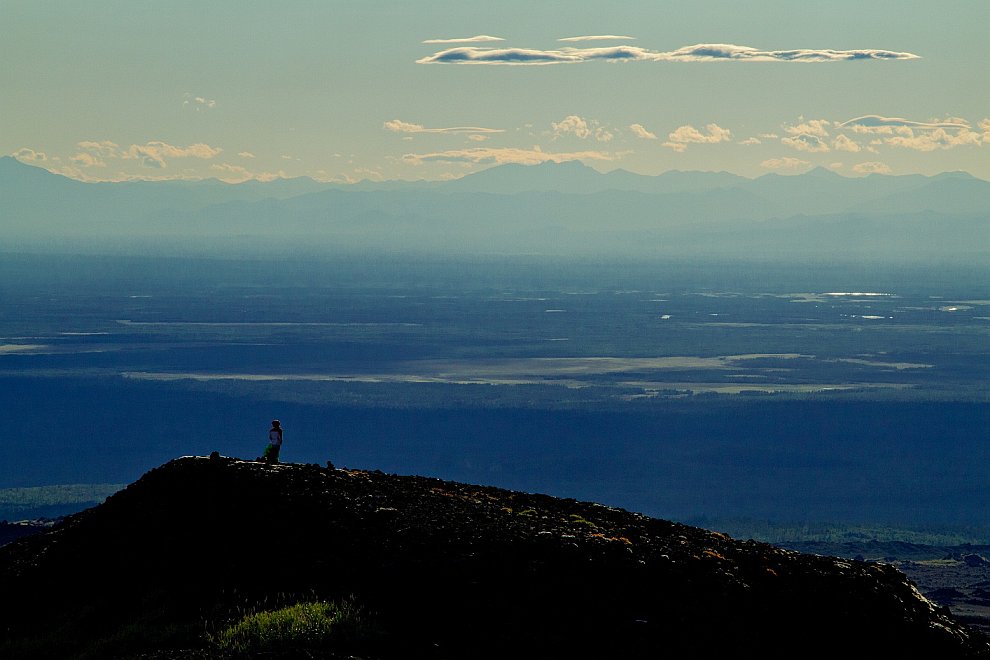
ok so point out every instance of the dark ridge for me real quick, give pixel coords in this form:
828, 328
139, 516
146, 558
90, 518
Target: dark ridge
11, 531
446, 570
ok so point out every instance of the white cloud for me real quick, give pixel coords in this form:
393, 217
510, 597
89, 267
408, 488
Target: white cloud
28, 155
326, 177
399, 126
237, 173
581, 128
684, 135
843, 143
816, 127
939, 138
571, 124
890, 125
464, 40
233, 172
198, 102
511, 56
104, 148
871, 168
750, 141
373, 174
640, 131
786, 163
499, 156
84, 159
478, 138
919, 135
245, 154
154, 153
768, 136
696, 53
599, 37
806, 142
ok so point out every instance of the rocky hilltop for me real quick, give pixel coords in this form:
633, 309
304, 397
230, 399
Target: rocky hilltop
444, 570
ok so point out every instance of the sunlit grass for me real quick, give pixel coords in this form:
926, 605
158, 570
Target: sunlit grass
303, 625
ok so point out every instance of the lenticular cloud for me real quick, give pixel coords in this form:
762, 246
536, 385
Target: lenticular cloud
625, 53
878, 122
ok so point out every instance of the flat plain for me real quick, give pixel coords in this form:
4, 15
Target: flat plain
681, 390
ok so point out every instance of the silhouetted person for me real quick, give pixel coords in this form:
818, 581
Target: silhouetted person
274, 442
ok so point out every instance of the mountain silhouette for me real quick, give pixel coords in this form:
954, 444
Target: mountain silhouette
446, 570
565, 209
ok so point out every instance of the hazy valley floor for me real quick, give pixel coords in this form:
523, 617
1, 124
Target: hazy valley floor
726, 390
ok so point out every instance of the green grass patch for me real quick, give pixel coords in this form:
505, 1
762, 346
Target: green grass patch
307, 625
576, 519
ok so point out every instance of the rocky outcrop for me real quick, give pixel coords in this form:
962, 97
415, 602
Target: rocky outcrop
447, 570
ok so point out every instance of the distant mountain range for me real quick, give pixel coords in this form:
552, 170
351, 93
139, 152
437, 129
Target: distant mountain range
565, 208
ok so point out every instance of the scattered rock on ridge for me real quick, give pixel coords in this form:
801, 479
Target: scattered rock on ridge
447, 570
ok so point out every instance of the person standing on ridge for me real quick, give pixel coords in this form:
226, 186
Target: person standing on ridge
274, 442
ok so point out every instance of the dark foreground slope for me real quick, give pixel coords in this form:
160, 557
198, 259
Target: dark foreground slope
447, 570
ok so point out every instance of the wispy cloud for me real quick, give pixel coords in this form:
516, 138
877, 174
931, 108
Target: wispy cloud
499, 156
640, 131
871, 168
198, 102
464, 40
750, 141
245, 154
696, 53
599, 37
28, 155
786, 163
685, 135
399, 126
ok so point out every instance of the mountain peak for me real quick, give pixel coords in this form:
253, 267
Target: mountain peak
10, 165
823, 173
473, 571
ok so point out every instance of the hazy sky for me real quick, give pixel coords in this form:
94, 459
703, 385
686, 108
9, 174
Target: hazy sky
350, 90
